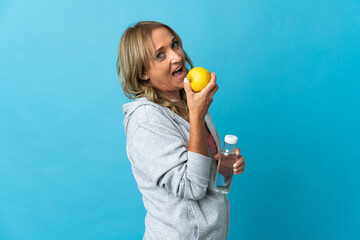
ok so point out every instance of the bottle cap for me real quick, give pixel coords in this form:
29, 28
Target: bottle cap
231, 139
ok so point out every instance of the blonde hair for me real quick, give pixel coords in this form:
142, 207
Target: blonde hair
135, 50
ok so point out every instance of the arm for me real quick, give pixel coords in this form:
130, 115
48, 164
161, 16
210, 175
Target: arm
197, 141
159, 151
198, 104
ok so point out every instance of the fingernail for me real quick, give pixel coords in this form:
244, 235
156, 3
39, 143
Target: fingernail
186, 80
236, 165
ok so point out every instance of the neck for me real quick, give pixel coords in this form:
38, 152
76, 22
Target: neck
174, 95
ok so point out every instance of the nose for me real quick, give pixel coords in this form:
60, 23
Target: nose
175, 56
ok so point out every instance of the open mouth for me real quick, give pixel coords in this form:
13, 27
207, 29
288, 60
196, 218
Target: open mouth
179, 72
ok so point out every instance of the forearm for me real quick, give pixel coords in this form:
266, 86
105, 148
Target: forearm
197, 141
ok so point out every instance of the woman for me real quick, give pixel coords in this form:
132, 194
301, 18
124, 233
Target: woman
172, 143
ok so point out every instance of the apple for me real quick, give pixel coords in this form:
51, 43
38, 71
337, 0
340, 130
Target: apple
198, 77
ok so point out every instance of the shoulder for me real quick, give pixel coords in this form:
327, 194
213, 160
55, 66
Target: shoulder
149, 115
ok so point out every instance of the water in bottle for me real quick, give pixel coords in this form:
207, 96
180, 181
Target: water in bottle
224, 173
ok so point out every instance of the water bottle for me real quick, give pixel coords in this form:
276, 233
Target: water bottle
224, 173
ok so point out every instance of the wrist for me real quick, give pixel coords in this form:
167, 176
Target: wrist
196, 118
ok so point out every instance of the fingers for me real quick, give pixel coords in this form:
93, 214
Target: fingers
237, 151
187, 86
239, 161
211, 87
238, 171
239, 166
213, 91
212, 84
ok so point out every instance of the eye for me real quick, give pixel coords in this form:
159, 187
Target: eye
160, 55
175, 44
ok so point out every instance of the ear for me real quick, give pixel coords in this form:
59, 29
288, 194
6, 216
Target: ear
144, 77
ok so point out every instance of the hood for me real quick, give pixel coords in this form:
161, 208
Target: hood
129, 108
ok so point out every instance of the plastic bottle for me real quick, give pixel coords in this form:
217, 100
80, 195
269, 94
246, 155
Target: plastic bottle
224, 173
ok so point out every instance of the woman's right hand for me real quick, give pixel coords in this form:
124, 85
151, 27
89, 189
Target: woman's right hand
199, 102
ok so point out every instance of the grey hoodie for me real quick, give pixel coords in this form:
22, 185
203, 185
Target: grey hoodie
176, 184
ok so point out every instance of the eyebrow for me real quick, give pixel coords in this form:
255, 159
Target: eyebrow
161, 48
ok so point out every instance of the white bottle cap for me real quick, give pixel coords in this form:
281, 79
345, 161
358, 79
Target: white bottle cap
231, 139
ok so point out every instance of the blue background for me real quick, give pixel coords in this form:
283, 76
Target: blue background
288, 73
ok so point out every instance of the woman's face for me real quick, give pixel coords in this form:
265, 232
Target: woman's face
167, 71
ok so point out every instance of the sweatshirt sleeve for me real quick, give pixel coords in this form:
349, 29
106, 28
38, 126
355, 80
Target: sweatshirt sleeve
162, 155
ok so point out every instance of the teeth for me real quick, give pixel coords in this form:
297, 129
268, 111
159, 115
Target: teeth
178, 69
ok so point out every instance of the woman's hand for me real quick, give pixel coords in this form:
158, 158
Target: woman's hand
199, 102
239, 165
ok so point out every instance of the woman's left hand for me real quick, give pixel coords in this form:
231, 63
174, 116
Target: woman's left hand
240, 164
